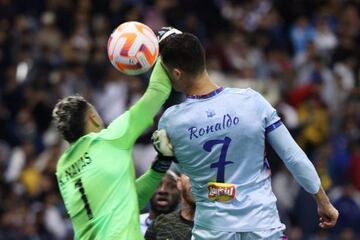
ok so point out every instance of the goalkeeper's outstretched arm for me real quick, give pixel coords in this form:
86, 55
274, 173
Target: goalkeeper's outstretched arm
144, 111
147, 184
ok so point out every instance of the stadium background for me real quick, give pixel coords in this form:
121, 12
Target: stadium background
302, 55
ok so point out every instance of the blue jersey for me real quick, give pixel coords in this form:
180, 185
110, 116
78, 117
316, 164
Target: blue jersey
219, 142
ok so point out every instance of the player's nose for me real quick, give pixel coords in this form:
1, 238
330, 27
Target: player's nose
161, 188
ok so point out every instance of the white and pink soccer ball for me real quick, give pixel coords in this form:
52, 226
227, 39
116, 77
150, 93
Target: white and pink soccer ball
132, 48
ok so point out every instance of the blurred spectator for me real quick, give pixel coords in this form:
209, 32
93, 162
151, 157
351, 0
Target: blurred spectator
321, 161
314, 124
325, 40
285, 199
341, 155
165, 200
18, 160
345, 70
302, 55
30, 178
354, 168
301, 33
178, 224
113, 89
347, 201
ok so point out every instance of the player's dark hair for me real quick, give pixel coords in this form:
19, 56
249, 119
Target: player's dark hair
183, 51
69, 117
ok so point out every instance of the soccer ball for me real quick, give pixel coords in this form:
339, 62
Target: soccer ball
132, 48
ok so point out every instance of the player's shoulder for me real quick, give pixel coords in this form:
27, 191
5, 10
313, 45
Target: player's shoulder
173, 110
74, 151
241, 91
116, 129
60, 163
247, 94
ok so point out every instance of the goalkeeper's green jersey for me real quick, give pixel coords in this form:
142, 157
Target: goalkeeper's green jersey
96, 174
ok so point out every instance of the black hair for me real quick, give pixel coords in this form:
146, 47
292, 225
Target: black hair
69, 117
183, 51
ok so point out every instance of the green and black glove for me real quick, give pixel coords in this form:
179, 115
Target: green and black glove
164, 149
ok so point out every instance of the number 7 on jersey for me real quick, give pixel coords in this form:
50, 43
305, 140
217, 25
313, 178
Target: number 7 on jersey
220, 165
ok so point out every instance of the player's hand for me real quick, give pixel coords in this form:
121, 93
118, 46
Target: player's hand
164, 149
328, 216
162, 143
165, 32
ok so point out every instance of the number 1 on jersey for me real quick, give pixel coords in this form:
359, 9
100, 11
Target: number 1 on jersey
222, 159
80, 187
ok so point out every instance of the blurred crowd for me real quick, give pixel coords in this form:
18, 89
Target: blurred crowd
303, 55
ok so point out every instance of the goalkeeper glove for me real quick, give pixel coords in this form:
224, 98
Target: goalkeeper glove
162, 143
162, 163
165, 32
163, 147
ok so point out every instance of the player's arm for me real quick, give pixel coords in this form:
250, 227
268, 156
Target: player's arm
294, 158
129, 126
328, 214
141, 114
147, 184
284, 145
302, 169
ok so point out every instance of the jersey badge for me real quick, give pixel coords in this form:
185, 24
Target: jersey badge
210, 113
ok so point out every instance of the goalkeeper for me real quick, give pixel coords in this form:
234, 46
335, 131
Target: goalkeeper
96, 174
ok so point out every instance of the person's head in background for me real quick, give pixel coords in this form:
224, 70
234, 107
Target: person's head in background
75, 117
183, 57
166, 198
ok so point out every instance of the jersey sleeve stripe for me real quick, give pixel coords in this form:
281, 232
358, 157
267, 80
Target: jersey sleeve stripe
273, 126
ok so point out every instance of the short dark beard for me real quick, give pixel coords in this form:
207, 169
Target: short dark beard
172, 207
158, 212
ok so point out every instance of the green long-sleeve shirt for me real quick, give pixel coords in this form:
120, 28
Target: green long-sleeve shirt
96, 173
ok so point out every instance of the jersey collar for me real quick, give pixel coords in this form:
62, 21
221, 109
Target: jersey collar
205, 96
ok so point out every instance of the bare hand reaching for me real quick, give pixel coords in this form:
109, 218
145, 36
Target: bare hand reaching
328, 214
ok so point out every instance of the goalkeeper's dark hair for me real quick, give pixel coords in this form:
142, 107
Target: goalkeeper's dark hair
183, 51
69, 117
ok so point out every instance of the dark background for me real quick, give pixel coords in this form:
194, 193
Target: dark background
302, 55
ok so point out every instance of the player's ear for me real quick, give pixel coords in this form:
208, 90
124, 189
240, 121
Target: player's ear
94, 118
177, 73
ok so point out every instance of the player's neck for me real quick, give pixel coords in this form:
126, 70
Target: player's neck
201, 86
